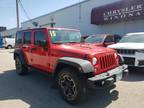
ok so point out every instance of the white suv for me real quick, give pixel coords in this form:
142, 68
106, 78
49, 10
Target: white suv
131, 47
8, 43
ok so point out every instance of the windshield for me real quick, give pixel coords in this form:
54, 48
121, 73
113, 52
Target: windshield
65, 36
137, 38
95, 39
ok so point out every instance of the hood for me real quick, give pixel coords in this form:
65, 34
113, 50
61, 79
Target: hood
98, 44
81, 48
127, 46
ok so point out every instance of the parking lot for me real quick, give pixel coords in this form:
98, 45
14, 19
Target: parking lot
35, 90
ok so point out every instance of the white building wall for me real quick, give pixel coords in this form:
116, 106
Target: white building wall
72, 17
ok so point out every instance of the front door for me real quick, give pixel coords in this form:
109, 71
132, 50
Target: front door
40, 53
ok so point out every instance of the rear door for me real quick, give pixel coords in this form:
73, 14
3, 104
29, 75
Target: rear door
27, 43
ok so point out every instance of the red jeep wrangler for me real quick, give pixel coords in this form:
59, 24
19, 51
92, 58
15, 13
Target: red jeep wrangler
72, 64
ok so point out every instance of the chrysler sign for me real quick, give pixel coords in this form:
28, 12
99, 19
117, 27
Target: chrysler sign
124, 10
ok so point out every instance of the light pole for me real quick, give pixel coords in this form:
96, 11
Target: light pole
17, 14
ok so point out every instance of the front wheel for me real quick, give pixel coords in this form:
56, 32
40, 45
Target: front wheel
70, 86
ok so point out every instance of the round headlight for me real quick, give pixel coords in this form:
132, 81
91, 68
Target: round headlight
94, 61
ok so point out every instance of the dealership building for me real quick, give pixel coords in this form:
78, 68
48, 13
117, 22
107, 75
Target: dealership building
95, 17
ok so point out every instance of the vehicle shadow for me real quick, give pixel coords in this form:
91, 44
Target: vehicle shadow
134, 75
35, 89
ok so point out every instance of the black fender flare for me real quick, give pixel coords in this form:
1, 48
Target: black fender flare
84, 66
20, 54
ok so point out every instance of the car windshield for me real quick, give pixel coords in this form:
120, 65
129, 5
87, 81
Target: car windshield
95, 39
65, 36
137, 38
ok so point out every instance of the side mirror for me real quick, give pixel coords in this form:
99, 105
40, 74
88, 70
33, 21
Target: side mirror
42, 43
104, 44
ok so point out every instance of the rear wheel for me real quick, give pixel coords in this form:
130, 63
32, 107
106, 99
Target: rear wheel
70, 86
9, 47
20, 68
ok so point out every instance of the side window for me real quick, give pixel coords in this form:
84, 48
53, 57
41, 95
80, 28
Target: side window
109, 39
19, 38
39, 36
27, 37
117, 38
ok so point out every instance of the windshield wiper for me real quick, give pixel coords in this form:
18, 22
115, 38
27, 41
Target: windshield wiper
60, 42
72, 42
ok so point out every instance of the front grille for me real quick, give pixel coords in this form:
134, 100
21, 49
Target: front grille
107, 61
126, 51
129, 60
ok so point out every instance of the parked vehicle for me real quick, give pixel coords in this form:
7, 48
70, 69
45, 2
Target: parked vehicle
1, 41
102, 39
8, 43
131, 47
73, 64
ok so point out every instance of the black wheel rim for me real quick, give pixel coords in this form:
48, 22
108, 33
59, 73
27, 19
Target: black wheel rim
68, 86
18, 65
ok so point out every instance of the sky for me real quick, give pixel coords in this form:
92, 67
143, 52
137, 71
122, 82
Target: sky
34, 8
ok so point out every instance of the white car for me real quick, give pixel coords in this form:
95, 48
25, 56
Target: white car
131, 47
8, 43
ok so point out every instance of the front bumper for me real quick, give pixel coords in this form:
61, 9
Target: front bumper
109, 77
135, 60
117, 72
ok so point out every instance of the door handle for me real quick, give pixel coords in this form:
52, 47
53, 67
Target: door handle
33, 49
24, 47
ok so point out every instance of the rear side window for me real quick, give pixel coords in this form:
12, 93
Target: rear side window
27, 37
19, 38
39, 36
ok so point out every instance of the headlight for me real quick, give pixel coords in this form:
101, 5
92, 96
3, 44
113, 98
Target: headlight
94, 61
140, 51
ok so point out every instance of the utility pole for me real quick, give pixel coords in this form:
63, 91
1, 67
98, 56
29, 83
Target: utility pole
17, 14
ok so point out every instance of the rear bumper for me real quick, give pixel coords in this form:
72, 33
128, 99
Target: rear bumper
109, 77
6, 45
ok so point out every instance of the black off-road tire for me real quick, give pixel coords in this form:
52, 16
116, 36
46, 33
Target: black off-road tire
9, 47
70, 86
20, 68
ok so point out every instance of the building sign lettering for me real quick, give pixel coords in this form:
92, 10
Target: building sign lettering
119, 11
